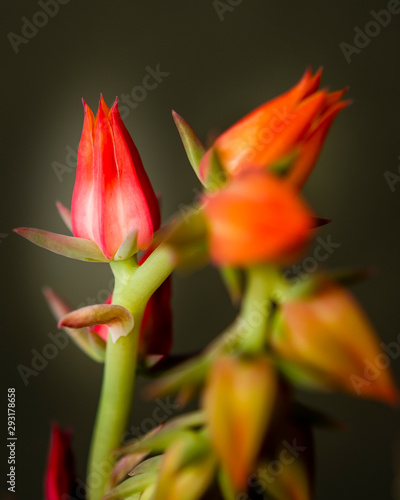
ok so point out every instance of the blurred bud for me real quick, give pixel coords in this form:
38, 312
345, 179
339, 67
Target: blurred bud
326, 341
187, 469
238, 401
254, 219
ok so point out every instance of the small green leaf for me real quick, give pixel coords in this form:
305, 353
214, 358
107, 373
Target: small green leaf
68, 246
192, 144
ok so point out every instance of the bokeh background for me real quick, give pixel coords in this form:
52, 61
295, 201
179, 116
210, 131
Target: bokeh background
217, 66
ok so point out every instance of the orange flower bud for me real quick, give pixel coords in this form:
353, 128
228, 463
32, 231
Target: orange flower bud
238, 401
256, 218
187, 469
295, 123
326, 341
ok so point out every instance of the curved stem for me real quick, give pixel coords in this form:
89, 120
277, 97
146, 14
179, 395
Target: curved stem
133, 287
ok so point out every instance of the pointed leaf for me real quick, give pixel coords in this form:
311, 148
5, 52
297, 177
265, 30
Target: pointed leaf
128, 247
186, 470
282, 167
192, 144
189, 374
155, 443
65, 214
88, 341
193, 419
233, 280
211, 171
118, 319
68, 246
134, 484
128, 463
150, 465
124, 466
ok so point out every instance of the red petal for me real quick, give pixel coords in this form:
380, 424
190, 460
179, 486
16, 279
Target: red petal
137, 176
82, 205
60, 473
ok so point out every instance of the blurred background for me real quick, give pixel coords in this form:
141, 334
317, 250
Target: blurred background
215, 62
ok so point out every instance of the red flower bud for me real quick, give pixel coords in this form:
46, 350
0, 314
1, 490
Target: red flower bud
112, 195
60, 473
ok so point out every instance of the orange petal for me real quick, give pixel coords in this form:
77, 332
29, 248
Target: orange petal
257, 129
312, 146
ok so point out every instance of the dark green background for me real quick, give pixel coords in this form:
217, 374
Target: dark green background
218, 70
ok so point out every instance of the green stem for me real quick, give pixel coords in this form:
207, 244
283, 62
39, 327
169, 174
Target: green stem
256, 307
133, 287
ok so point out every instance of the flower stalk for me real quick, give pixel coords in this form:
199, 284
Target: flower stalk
133, 287
256, 307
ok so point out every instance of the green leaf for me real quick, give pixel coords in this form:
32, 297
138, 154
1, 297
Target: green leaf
134, 484
118, 319
192, 144
233, 279
88, 341
68, 246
